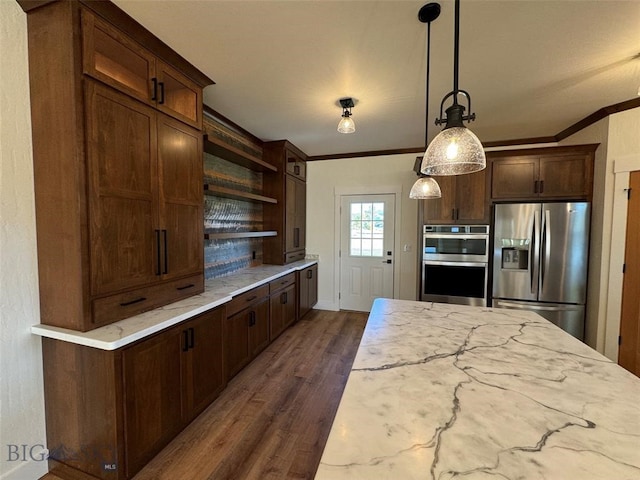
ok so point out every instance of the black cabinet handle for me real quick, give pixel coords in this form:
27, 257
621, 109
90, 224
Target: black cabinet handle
154, 94
185, 340
192, 337
185, 287
284, 298
166, 254
296, 237
137, 300
252, 298
541, 186
309, 273
252, 318
161, 101
296, 169
535, 186
159, 261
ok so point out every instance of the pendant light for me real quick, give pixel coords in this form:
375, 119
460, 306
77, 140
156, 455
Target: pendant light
346, 125
455, 150
426, 187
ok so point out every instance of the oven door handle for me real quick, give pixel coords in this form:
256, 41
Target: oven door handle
478, 236
455, 264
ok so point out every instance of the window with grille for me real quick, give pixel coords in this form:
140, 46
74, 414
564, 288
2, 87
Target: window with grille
367, 229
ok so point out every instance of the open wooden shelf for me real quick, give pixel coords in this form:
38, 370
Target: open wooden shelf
219, 236
236, 194
217, 147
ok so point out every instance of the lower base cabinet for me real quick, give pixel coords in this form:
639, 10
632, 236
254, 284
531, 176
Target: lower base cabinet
282, 304
109, 412
308, 289
246, 329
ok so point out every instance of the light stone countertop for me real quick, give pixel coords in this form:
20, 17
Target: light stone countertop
217, 291
442, 391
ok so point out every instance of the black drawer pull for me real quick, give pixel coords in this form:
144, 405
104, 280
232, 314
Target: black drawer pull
185, 287
192, 338
251, 298
137, 300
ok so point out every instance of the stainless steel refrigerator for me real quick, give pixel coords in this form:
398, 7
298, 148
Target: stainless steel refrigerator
540, 256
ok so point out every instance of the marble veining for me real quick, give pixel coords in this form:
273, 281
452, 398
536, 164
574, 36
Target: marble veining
217, 292
443, 392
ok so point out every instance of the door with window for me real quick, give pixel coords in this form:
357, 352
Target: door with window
629, 350
366, 250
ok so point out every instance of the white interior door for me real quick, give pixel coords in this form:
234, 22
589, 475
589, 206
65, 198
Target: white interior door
366, 250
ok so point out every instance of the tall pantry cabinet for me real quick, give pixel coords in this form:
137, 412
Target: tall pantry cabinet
117, 147
288, 186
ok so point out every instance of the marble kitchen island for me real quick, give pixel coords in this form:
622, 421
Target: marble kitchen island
442, 391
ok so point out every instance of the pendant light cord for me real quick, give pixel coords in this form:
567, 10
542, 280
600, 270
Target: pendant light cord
456, 45
426, 101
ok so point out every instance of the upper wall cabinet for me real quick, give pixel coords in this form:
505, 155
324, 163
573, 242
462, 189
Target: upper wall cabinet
115, 59
464, 200
543, 173
118, 174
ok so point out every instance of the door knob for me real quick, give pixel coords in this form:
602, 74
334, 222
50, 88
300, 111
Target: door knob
386, 261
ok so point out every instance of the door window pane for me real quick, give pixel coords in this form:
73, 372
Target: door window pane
367, 229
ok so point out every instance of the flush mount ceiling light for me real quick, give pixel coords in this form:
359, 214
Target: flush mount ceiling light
426, 187
346, 125
455, 150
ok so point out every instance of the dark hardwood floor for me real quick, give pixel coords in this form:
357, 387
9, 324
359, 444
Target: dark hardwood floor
273, 419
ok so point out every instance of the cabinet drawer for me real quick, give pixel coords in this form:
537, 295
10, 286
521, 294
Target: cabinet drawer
282, 282
123, 305
294, 256
244, 300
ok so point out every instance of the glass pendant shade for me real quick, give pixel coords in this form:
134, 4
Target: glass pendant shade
454, 151
425, 187
346, 125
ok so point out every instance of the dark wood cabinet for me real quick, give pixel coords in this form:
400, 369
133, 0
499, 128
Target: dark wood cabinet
282, 304
246, 329
544, 173
203, 365
288, 215
308, 289
118, 61
152, 397
464, 200
296, 216
117, 165
167, 381
109, 412
145, 203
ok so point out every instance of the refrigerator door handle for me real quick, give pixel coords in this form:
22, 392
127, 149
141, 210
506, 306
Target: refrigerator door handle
534, 258
546, 246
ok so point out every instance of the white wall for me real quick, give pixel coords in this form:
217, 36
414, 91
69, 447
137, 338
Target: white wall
328, 178
618, 154
21, 391
623, 154
600, 228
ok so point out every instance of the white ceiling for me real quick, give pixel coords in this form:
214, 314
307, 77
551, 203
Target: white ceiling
532, 67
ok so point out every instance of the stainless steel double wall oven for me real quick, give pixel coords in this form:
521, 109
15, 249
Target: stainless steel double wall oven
455, 261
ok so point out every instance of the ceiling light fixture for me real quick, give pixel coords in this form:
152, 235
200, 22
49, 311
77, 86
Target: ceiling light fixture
426, 187
346, 125
455, 150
